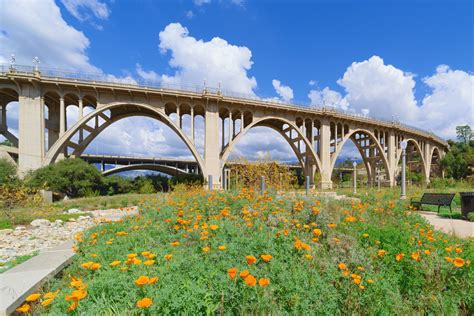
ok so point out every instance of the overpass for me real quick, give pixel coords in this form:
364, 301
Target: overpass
169, 166
316, 135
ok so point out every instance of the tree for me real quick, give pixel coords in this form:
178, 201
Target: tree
7, 171
457, 161
72, 176
464, 133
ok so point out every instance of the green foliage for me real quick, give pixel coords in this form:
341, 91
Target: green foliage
457, 161
146, 186
7, 171
190, 179
73, 177
302, 280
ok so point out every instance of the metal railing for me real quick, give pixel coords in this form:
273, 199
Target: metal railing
98, 77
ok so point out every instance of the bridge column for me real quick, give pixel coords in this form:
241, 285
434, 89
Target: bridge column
31, 129
427, 169
212, 160
310, 165
192, 124
325, 154
53, 124
392, 161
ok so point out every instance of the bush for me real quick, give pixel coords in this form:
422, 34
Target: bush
71, 176
190, 179
7, 171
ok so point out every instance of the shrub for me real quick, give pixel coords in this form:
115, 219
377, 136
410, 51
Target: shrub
7, 171
71, 176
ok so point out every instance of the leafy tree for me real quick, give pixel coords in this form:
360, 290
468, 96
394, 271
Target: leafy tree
464, 133
457, 161
7, 171
72, 176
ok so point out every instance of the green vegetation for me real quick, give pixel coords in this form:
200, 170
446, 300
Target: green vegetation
241, 253
7, 171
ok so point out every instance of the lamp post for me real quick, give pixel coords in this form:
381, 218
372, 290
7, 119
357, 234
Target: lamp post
354, 180
403, 194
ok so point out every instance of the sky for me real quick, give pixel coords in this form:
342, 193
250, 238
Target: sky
411, 61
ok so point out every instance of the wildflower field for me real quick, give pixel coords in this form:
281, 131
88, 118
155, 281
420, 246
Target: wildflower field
200, 252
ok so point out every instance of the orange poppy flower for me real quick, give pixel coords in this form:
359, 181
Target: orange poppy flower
332, 225
144, 302
114, 263
142, 280
175, 243
381, 253
168, 257
87, 265
213, 227
25, 308
263, 282
73, 306
47, 302
317, 232
250, 259
399, 257
266, 258
244, 274
416, 256
222, 247
33, 297
342, 266
95, 266
458, 262
232, 272
206, 249
149, 262
250, 280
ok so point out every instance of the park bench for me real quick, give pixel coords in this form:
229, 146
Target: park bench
439, 199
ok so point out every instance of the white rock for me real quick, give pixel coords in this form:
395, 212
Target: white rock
83, 218
6, 231
40, 222
74, 211
20, 228
58, 222
72, 219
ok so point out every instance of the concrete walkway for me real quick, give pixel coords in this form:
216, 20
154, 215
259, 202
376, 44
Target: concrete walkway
24, 279
456, 227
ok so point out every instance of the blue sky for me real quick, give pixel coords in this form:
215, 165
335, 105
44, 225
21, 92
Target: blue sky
405, 60
296, 41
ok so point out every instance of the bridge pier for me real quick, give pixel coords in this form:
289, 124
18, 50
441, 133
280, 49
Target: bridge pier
31, 126
325, 182
212, 159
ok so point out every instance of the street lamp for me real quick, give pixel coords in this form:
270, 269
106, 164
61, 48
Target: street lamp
403, 145
354, 180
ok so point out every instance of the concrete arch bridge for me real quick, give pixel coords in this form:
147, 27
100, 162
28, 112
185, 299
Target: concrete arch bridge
316, 135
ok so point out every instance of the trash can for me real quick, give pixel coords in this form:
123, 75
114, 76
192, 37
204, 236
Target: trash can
467, 203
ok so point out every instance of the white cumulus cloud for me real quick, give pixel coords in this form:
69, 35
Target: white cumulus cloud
386, 91
215, 61
36, 28
285, 92
327, 97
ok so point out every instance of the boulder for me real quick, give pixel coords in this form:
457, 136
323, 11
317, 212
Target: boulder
40, 222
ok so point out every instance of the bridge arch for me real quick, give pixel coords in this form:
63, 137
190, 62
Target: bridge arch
285, 128
169, 170
352, 134
414, 147
92, 124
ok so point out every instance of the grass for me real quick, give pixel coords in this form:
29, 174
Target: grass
54, 211
327, 257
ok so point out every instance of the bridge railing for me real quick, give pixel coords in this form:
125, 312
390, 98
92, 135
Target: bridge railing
98, 77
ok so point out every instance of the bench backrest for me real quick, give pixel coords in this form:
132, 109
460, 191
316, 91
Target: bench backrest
437, 198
